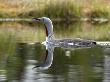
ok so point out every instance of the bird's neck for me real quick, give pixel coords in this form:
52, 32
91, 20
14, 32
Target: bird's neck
49, 31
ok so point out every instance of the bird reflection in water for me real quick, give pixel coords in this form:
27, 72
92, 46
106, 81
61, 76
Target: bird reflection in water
47, 62
48, 58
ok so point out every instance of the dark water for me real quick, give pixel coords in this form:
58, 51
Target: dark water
69, 65
78, 65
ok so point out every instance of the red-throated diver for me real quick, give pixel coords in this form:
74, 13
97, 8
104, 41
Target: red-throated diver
71, 43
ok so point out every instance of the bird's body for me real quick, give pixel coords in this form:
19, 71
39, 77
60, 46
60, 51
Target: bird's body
73, 43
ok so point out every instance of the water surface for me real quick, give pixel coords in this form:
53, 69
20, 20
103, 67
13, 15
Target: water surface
79, 65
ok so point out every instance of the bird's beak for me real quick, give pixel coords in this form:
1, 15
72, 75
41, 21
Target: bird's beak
36, 19
36, 66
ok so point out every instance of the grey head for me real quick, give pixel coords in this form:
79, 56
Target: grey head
48, 26
43, 20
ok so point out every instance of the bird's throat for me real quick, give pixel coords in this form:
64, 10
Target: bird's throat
49, 32
46, 30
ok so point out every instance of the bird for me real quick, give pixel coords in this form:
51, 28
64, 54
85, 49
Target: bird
65, 43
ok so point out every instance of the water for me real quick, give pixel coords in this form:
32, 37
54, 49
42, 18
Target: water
69, 65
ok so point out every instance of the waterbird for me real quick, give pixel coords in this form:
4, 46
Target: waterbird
73, 43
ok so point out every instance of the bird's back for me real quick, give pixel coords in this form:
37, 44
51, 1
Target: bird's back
73, 43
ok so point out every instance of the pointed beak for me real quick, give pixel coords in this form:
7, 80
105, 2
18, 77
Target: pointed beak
36, 19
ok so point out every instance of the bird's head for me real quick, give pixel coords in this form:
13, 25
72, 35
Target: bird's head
48, 26
44, 20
